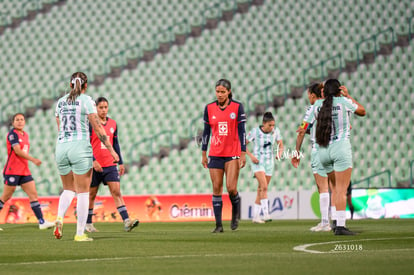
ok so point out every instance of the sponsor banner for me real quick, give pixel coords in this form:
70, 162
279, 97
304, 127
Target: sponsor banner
282, 205
146, 208
309, 205
383, 203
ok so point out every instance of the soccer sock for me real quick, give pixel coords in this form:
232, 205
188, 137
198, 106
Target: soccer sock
333, 213
256, 210
265, 206
82, 212
35, 205
90, 214
123, 212
235, 202
64, 202
324, 207
341, 218
1, 205
217, 208
351, 208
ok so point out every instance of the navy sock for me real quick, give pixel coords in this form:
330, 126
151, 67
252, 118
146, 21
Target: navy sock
217, 207
35, 205
90, 214
235, 202
1, 205
123, 212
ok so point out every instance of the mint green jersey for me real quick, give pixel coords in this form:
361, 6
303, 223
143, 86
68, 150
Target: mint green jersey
73, 117
264, 143
310, 119
342, 109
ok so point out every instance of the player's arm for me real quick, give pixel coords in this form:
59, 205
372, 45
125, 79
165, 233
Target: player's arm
117, 149
242, 134
280, 149
299, 140
19, 152
57, 122
205, 139
250, 154
100, 132
360, 111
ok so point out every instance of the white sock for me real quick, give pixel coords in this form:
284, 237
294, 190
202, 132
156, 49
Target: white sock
82, 212
265, 206
341, 218
256, 210
64, 202
324, 207
333, 213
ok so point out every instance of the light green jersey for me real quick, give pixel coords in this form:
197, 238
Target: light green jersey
342, 109
73, 117
264, 143
310, 119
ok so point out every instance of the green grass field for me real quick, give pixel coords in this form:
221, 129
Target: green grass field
381, 247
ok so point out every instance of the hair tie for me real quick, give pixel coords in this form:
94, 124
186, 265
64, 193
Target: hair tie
77, 78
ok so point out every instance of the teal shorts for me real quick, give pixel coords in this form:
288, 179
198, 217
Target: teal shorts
337, 156
266, 167
75, 156
316, 165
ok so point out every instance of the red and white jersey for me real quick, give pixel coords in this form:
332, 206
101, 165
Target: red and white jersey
100, 152
16, 165
225, 140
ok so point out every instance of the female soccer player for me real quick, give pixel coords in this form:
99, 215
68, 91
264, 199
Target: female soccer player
333, 137
16, 171
225, 120
321, 178
74, 112
264, 138
105, 170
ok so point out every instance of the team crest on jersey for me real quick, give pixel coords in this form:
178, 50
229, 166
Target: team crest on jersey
232, 115
11, 137
112, 130
223, 129
12, 179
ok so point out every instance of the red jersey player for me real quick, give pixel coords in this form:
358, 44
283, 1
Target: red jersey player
16, 171
105, 170
225, 120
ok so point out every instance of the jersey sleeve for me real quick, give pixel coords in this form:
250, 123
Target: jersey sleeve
278, 135
90, 106
13, 138
349, 105
242, 115
309, 117
251, 135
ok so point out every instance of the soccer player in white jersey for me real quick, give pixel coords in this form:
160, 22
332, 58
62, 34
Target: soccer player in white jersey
321, 178
74, 112
264, 138
333, 130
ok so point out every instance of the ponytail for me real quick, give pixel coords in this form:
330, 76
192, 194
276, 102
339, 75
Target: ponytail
324, 120
77, 84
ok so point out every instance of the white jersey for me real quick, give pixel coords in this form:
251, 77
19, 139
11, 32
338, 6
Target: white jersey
342, 108
73, 117
310, 119
263, 143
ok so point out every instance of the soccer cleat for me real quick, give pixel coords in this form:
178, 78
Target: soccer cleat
82, 238
90, 228
341, 230
46, 225
321, 228
129, 225
58, 230
218, 229
267, 218
258, 220
333, 226
235, 217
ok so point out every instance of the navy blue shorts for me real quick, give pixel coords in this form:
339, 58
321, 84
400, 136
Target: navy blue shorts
219, 162
109, 174
15, 180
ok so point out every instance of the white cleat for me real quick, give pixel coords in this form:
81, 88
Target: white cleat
321, 228
90, 228
46, 225
258, 220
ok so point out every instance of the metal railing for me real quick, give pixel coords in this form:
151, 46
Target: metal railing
265, 91
322, 67
170, 33
369, 179
150, 141
374, 39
